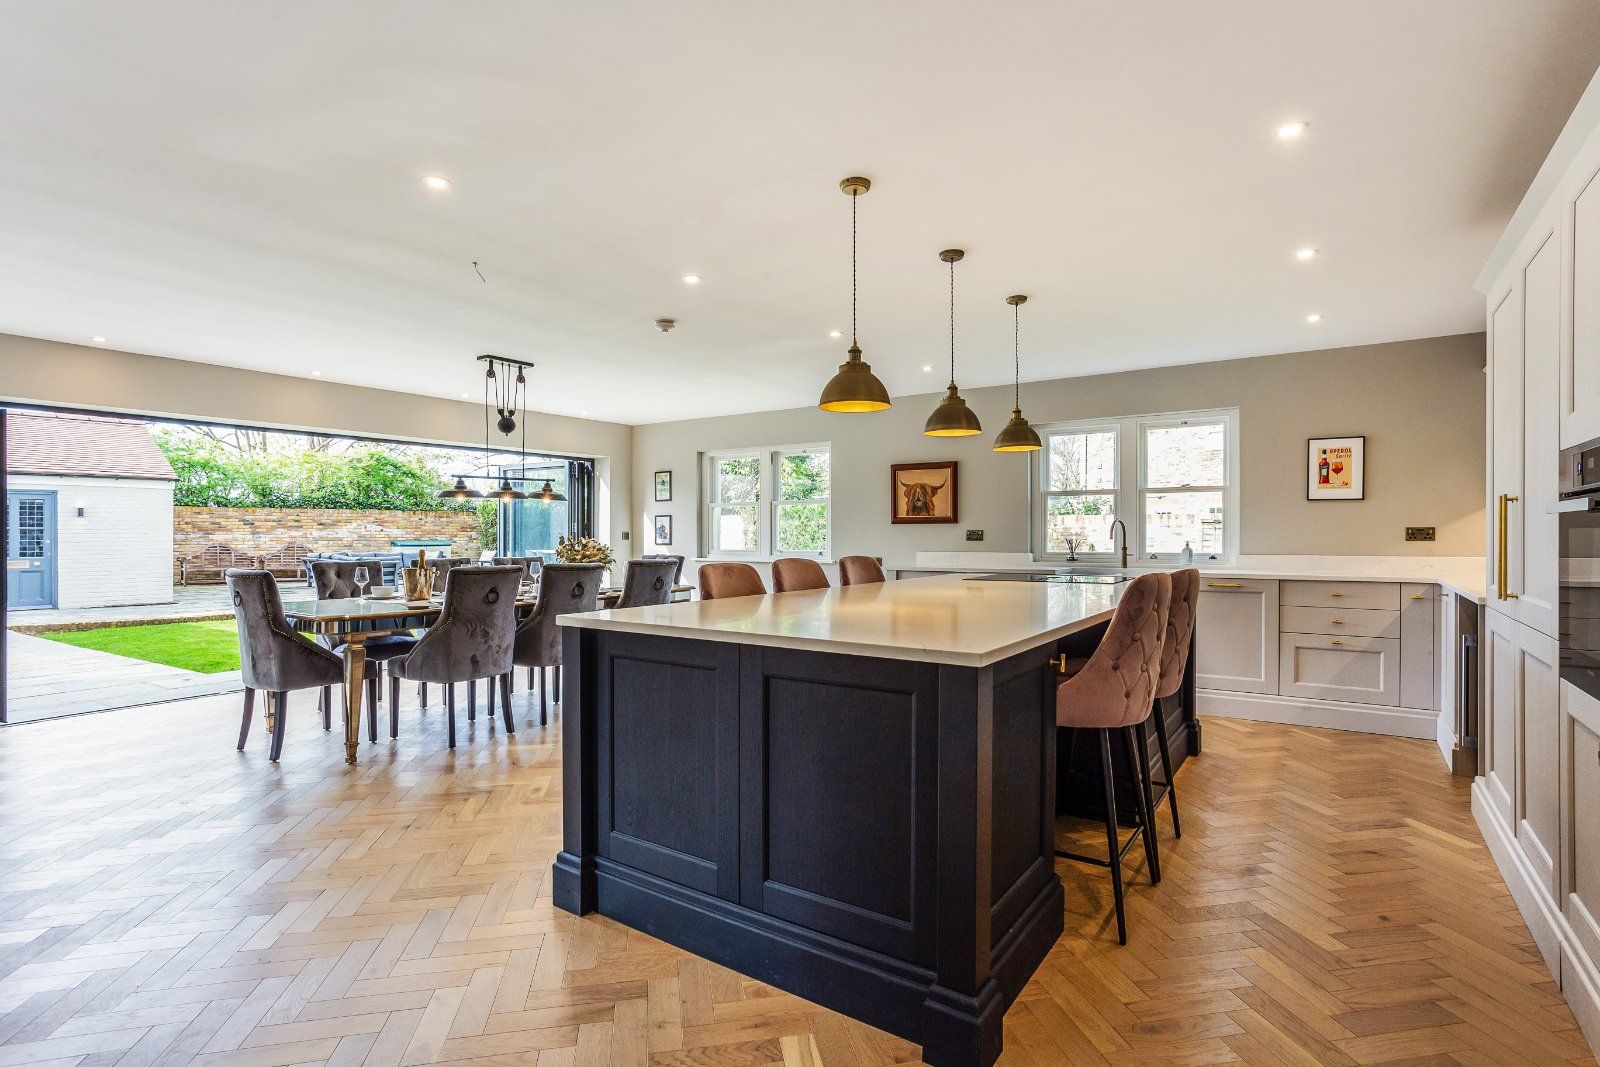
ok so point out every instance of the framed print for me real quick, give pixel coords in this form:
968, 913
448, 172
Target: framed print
663, 525
663, 486
1336, 468
922, 492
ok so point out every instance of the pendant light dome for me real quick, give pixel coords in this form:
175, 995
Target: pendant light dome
854, 387
952, 418
1018, 436
460, 491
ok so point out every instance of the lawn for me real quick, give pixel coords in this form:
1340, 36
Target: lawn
207, 647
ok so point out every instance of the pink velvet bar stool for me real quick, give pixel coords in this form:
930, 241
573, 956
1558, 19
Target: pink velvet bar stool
1112, 691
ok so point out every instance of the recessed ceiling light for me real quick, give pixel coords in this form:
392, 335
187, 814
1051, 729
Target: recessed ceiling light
927, 368
436, 183
835, 334
465, 396
1304, 254
97, 340
1313, 318
583, 414
691, 279
316, 374
1290, 130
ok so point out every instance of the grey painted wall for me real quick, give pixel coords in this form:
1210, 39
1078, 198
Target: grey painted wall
51, 372
1419, 403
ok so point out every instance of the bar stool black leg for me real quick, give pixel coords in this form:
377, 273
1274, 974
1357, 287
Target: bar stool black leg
1166, 768
1138, 758
1114, 854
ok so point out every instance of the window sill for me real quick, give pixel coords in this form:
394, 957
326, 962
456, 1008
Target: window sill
762, 559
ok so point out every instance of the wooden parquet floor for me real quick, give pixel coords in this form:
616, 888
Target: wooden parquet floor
166, 900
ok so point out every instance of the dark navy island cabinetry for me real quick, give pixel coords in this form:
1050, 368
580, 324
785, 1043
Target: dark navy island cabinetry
846, 793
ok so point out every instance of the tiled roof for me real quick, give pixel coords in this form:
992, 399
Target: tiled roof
82, 446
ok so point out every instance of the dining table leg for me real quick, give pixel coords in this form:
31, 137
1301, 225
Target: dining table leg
355, 664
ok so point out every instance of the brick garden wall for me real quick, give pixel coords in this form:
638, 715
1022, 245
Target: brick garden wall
258, 531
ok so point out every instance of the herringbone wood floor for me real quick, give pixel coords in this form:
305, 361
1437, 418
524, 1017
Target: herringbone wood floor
165, 900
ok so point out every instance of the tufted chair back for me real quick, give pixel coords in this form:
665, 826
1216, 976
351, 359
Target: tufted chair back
564, 588
530, 565
1185, 604
721, 580
859, 570
790, 575
649, 581
1116, 686
476, 626
336, 578
272, 656
677, 575
442, 565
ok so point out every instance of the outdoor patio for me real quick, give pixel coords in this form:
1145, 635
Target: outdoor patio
188, 602
49, 680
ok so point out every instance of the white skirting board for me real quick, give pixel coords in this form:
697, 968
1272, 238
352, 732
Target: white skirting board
1326, 714
1563, 953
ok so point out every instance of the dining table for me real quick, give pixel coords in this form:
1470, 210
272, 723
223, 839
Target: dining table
353, 621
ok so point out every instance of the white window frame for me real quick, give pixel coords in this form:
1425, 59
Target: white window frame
1129, 490
767, 502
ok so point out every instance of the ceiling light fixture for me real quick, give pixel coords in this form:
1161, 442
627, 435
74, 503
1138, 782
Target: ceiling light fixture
97, 340
691, 279
509, 397
1290, 130
952, 418
436, 183
1314, 318
1018, 436
1304, 254
835, 334
854, 387
316, 374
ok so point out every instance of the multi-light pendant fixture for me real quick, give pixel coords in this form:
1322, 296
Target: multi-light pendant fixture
507, 395
1018, 436
952, 418
854, 387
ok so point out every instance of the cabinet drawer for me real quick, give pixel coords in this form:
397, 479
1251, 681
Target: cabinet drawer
1342, 594
1339, 622
1362, 670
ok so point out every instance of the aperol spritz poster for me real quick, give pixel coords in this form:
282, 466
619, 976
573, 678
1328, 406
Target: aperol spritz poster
1336, 468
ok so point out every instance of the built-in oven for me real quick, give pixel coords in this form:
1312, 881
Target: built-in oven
1579, 509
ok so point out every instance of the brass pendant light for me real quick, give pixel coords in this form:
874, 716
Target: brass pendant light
855, 387
952, 418
1018, 436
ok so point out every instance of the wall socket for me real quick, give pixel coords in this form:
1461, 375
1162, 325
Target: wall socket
974, 535
1419, 533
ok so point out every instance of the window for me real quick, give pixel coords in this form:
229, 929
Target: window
1171, 479
768, 502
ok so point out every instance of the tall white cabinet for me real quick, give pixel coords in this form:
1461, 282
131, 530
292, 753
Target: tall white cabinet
1538, 791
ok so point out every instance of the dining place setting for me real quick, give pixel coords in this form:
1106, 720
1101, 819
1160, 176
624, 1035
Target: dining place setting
448, 621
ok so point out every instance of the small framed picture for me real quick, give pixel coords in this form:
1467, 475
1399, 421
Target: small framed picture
1336, 468
922, 492
663, 486
663, 525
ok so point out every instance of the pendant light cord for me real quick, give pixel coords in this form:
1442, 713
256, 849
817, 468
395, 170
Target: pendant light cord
1016, 356
952, 322
854, 340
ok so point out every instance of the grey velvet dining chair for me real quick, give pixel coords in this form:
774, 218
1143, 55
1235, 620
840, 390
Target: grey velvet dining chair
649, 581
273, 657
563, 588
530, 565
335, 579
472, 639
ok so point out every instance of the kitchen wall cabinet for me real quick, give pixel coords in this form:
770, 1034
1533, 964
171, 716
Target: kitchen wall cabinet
1580, 320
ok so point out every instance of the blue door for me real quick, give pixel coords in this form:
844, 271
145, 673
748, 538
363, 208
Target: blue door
30, 549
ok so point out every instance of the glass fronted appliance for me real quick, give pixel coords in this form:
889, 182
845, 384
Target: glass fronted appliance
1579, 509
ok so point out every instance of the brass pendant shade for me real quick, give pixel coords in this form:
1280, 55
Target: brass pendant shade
854, 388
1018, 436
952, 418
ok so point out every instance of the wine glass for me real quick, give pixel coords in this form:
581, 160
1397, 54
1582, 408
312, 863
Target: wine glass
362, 578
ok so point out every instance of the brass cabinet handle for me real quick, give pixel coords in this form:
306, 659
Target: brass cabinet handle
1337, 622
1416, 596
1337, 641
1503, 559
1336, 594
1225, 585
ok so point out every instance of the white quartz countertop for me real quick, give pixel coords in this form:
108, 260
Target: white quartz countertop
1462, 575
944, 619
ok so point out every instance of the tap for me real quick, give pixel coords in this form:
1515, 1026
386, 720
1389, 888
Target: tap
1114, 525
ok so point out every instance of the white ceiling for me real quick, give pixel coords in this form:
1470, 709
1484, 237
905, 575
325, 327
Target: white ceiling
239, 183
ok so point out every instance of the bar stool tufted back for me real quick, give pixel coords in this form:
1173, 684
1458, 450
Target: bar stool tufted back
1183, 606
792, 575
720, 580
1117, 684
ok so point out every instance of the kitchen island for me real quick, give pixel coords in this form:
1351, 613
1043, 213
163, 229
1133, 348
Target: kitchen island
848, 793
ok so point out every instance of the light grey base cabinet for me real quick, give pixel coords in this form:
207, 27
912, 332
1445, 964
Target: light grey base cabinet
1339, 654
